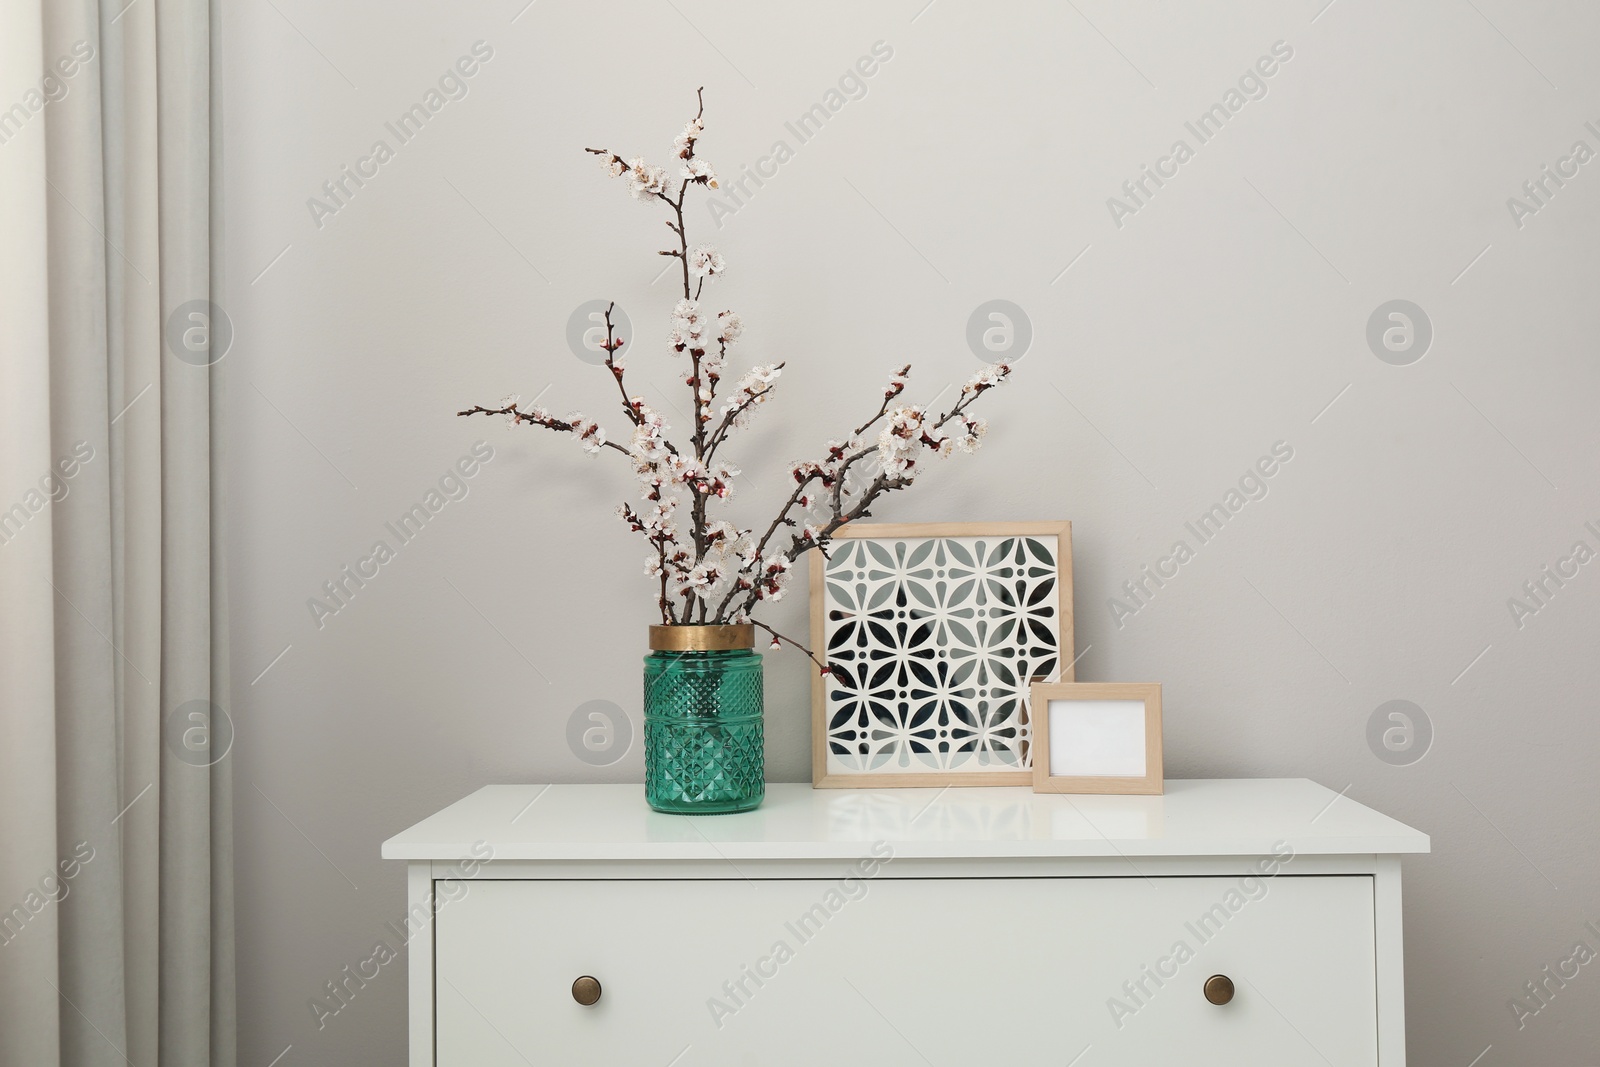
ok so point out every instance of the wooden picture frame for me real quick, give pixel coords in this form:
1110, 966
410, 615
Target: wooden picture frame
986, 713
1109, 731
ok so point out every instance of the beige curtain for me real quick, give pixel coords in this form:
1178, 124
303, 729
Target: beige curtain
116, 940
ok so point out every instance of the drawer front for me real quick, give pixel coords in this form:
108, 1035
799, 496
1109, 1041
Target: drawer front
908, 972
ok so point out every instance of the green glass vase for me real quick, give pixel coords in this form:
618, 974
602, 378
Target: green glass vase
703, 731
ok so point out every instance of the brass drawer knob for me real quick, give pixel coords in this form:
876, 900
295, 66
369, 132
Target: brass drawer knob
586, 990
1219, 989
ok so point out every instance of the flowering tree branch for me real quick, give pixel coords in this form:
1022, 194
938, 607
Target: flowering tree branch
716, 572
589, 433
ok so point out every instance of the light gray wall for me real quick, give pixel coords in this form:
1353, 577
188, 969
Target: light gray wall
1227, 314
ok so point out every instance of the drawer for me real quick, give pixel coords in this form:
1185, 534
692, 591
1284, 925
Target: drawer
908, 971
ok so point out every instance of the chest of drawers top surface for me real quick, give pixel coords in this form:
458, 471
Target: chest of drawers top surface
1203, 817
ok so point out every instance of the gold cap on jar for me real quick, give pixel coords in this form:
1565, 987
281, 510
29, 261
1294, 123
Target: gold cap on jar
702, 638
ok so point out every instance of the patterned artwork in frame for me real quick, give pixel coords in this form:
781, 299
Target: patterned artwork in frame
932, 634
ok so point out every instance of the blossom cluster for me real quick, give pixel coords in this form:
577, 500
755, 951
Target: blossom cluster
705, 261
709, 569
692, 169
749, 393
645, 182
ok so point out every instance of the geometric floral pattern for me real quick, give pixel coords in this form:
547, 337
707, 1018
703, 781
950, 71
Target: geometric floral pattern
936, 639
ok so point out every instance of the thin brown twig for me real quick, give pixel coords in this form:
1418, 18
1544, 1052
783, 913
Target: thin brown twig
776, 636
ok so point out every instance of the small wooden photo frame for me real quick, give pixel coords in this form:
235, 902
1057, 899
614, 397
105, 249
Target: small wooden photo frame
1096, 737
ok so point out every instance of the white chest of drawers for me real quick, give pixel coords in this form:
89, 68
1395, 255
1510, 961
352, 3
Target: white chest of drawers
908, 927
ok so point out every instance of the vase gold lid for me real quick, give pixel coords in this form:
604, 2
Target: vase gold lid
703, 638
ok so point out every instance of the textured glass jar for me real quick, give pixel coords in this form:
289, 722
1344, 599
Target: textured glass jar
703, 731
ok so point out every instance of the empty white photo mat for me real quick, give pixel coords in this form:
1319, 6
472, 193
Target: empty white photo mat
1097, 737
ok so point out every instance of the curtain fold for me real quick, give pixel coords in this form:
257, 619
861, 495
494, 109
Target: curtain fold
116, 862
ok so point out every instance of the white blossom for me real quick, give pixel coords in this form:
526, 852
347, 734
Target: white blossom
729, 327
591, 435
989, 376
703, 575
705, 261
692, 473
722, 475
774, 578
689, 329
684, 142
510, 400
649, 442
660, 520
698, 170
899, 442
749, 393
648, 416
644, 181
652, 481
661, 531
972, 433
